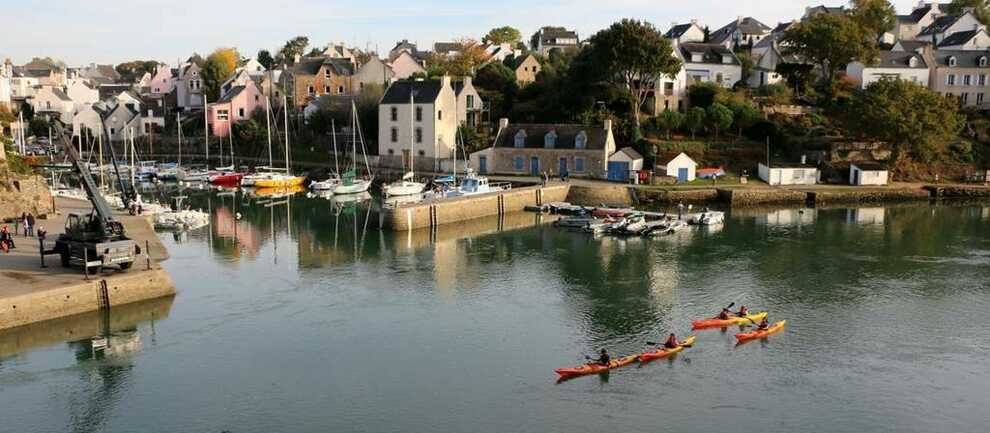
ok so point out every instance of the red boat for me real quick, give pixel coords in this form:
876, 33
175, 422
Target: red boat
227, 179
605, 212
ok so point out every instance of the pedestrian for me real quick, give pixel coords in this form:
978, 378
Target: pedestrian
24, 220
30, 224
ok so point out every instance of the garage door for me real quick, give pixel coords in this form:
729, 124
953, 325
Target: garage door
618, 171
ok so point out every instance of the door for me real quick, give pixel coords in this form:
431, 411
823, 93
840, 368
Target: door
534, 166
563, 166
682, 174
855, 177
618, 171
483, 164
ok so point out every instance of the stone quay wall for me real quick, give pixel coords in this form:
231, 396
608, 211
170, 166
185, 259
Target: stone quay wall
430, 214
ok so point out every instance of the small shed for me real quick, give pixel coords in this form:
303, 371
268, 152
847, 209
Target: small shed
789, 174
867, 173
624, 165
677, 165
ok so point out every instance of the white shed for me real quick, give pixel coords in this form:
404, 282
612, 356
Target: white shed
867, 173
624, 165
677, 165
789, 174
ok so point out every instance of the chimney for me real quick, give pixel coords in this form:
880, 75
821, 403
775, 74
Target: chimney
503, 123
739, 19
295, 58
694, 21
608, 125
467, 81
445, 81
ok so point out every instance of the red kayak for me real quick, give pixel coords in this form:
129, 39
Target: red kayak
595, 368
776, 327
665, 352
227, 179
750, 319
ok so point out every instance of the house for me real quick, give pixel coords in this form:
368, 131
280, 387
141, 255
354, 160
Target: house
406, 64
670, 93
99, 73
448, 49
765, 66
237, 105
624, 165
6, 86
909, 26
153, 111
710, 63
129, 98
946, 25
53, 103
500, 52
271, 86
678, 165
188, 87
900, 65
469, 104
372, 72
526, 67
253, 67
532, 149
88, 120
403, 46
788, 174
822, 9
420, 115
867, 173
687, 32
962, 74
48, 74
312, 77
976, 39
122, 122
746, 31
162, 81
554, 38
82, 93
773, 40
240, 77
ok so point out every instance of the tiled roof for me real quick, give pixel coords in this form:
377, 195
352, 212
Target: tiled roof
901, 59
964, 58
678, 31
940, 24
535, 135
746, 26
631, 153
231, 94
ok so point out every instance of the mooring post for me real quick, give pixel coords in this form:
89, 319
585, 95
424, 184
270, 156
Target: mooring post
147, 254
86, 263
41, 251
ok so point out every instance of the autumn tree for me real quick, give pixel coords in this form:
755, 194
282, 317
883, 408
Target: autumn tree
636, 55
829, 41
875, 17
466, 61
503, 35
219, 66
911, 119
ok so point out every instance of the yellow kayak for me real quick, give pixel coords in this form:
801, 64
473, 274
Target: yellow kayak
664, 352
750, 319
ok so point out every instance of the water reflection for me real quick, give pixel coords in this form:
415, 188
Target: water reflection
866, 216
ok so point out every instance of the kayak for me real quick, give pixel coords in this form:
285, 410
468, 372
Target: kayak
595, 368
719, 323
776, 327
664, 352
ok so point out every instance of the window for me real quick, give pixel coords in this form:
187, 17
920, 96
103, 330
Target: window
439, 114
395, 114
668, 89
983, 79
312, 91
952, 61
240, 112
395, 134
113, 131
979, 99
950, 80
422, 153
965, 97
579, 164
983, 61
340, 90
223, 115
581, 141
470, 101
419, 135
326, 89
419, 114
518, 163
550, 140
326, 73
967, 80
520, 139
391, 151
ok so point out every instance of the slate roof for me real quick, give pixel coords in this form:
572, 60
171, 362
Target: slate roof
678, 31
964, 58
746, 26
711, 53
901, 59
425, 92
834, 10
231, 94
61, 95
916, 15
515, 61
550, 36
597, 136
959, 38
446, 47
782, 27
913, 45
108, 71
631, 153
405, 44
940, 24
311, 65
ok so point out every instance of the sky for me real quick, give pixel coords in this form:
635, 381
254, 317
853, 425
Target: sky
113, 31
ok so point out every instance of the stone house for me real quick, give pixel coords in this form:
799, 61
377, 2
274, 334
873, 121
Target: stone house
532, 149
312, 77
526, 67
428, 125
374, 71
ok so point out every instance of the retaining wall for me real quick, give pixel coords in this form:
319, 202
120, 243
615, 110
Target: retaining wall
744, 197
429, 214
619, 195
699, 196
958, 191
868, 196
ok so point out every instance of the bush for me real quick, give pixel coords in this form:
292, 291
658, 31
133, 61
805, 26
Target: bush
775, 94
703, 95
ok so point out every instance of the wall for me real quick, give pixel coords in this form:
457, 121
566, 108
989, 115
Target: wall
873, 177
594, 161
19, 195
940, 78
786, 176
616, 195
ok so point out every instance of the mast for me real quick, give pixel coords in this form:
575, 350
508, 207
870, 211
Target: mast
206, 132
336, 162
412, 132
230, 134
103, 180
268, 122
286, 111
178, 122
129, 140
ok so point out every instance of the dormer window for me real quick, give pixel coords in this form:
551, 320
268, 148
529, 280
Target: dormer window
952, 61
913, 62
520, 139
550, 140
983, 61
581, 141
696, 57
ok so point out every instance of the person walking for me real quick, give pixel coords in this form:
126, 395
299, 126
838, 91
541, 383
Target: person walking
24, 221
30, 224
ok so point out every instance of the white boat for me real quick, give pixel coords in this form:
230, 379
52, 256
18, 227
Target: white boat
181, 219
171, 172
406, 186
474, 184
708, 218
350, 183
325, 185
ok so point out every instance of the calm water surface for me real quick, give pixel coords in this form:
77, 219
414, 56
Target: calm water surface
304, 317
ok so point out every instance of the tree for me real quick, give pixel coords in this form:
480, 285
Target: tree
981, 8
910, 118
502, 35
875, 17
718, 117
219, 66
829, 41
669, 121
39, 126
466, 61
322, 120
797, 75
497, 85
694, 119
265, 58
131, 71
292, 48
703, 94
634, 54
744, 116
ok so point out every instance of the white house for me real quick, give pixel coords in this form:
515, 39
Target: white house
469, 103
624, 165
404, 65
867, 173
82, 93
795, 174
54, 103
89, 118
909, 26
253, 67
428, 126
687, 32
976, 39
189, 87
744, 31
900, 65
765, 67
710, 63
6, 74
677, 165
554, 38
946, 25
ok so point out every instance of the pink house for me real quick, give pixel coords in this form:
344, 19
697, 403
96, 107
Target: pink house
238, 105
162, 81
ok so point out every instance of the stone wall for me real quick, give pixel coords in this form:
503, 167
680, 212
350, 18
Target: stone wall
617, 195
698, 196
867, 196
23, 194
744, 197
422, 215
594, 161
964, 192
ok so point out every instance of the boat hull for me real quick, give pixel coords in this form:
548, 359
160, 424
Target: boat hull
279, 182
664, 352
720, 323
775, 328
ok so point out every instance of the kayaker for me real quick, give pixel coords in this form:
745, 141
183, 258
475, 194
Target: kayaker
743, 311
604, 359
725, 314
764, 324
671, 342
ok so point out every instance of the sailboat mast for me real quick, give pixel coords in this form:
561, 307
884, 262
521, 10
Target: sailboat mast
333, 131
178, 122
285, 107
103, 180
412, 131
268, 122
206, 132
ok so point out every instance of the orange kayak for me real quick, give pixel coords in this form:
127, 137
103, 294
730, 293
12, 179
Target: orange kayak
776, 327
664, 352
723, 323
595, 368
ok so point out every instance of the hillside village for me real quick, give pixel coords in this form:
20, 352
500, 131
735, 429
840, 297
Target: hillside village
736, 98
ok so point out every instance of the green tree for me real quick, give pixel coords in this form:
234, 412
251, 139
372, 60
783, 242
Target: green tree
219, 66
131, 71
745, 116
39, 126
829, 41
797, 75
718, 117
292, 48
497, 84
694, 119
981, 8
321, 121
910, 118
775, 94
875, 17
669, 121
703, 95
503, 35
634, 54
265, 58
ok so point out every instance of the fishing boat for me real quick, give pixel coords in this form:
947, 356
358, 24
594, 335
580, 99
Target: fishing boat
408, 184
350, 183
474, 184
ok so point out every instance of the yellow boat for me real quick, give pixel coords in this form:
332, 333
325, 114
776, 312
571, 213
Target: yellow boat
722, 323
664, 352
279, 182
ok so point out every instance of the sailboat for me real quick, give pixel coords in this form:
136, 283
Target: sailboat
349, 182
265, 172
204, 174
174, 172
227, 176
408, 184
334, 180
279, 180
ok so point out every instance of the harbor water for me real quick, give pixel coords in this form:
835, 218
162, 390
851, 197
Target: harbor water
298, 314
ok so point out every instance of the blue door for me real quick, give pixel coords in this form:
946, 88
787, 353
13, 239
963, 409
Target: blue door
534, 166
682, 174
618, 171
563, 166
483, 164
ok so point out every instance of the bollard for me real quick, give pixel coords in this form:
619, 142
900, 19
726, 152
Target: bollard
147, 253
41, 245
86, 263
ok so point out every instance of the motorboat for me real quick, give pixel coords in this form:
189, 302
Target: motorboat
325, 185
474, 184
708, 218
226, 176
578, 222
406, 186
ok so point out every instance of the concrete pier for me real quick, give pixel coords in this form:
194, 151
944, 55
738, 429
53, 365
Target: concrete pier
30, 294
435, 213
